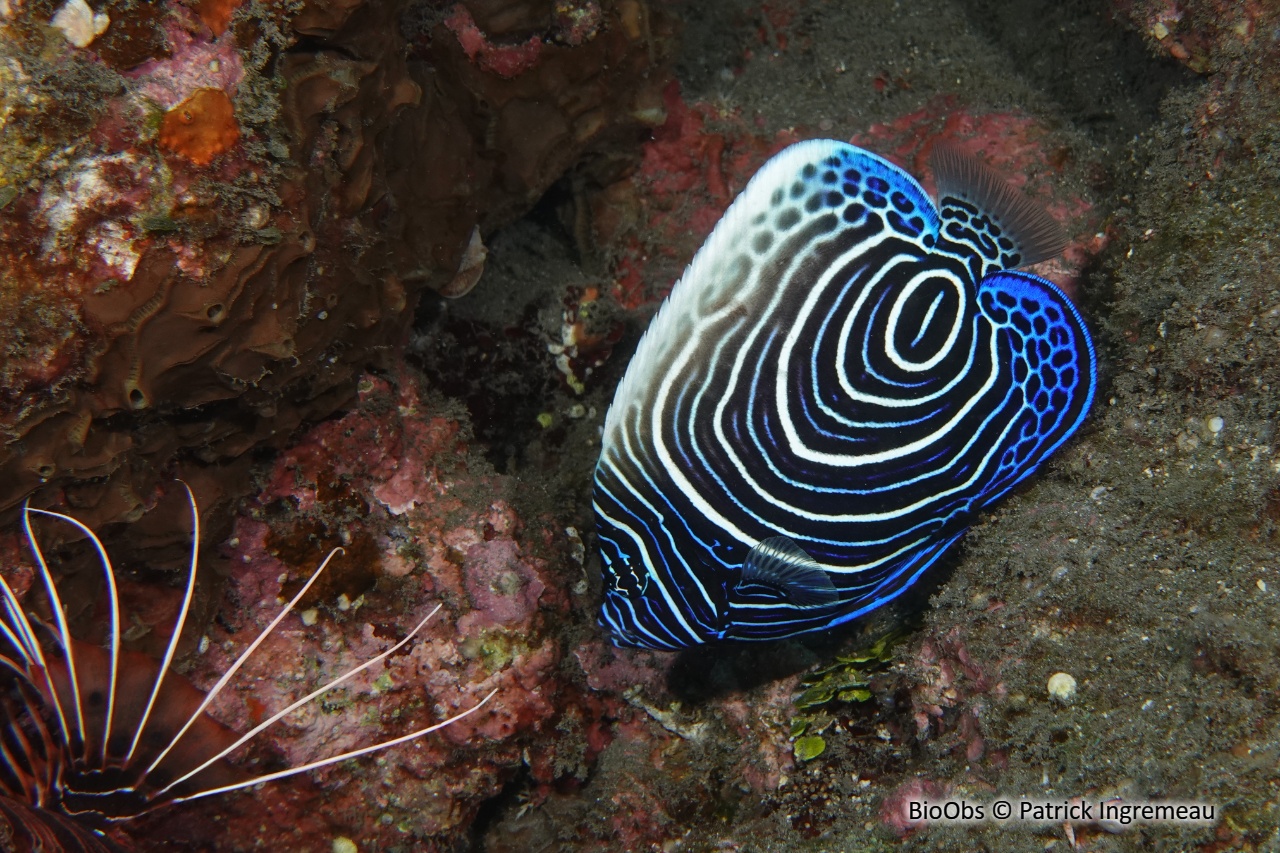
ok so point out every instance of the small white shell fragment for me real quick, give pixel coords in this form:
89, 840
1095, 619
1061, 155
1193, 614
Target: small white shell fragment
344, 603
1062, 686
256, 216
1215, 424
342, 844
470, 267
79, 24
309, 616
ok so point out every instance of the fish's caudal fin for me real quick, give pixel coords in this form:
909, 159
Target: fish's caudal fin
780, 563
1004, 226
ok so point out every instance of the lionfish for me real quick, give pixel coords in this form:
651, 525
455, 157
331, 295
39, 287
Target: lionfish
843, 377
95, 735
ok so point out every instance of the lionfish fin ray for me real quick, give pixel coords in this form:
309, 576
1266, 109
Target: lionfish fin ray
334, 759
178, 624
246, 654
319, 691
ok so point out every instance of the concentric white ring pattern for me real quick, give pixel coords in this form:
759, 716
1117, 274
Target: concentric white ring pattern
831, 369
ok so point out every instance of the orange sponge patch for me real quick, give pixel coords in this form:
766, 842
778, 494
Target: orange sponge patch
201, 127
216, 14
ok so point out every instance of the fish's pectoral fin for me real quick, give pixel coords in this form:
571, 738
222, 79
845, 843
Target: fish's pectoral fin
780, 563
1034, 234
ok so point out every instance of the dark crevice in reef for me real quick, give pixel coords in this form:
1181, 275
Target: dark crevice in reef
488, 349
493, 810
1103, 78
492, 371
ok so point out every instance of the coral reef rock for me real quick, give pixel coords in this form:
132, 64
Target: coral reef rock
215, 215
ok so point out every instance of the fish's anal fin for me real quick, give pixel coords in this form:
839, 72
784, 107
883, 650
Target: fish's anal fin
780, 563
980, 208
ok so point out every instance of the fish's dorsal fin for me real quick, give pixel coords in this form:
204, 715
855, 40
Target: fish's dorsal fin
1034, 234
779, 562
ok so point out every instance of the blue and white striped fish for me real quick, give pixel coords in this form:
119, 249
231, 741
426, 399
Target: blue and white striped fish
842, 378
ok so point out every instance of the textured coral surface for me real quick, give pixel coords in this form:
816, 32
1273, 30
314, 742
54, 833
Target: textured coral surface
214, 216
536, 155
418, 527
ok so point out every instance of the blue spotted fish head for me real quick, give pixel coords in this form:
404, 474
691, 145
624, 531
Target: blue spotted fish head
844, 376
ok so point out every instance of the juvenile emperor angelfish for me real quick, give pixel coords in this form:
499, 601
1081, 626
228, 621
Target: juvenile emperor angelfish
844, 376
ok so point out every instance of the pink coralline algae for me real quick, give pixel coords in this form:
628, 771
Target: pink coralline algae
763, 724
504, 60
504, 589
702, 156
696, 162
895, 808
1017, 146
450, 539
193, 63
951, 693
610, 669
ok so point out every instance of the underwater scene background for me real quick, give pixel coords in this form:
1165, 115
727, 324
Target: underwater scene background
368, 272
